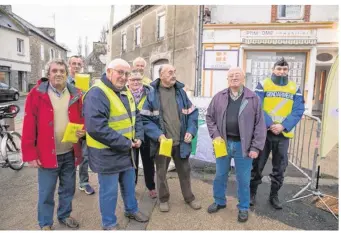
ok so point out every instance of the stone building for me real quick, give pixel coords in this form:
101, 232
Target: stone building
94, 64
41, 46
159, 34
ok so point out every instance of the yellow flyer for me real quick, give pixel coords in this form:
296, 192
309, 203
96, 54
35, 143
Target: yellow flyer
166, 147
82, 81
219, 146
70, 132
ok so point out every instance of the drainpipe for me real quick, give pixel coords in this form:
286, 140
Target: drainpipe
198, 70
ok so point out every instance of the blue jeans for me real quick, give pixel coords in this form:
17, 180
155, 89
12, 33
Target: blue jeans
108, 188
47, 181
243, 167
83, 167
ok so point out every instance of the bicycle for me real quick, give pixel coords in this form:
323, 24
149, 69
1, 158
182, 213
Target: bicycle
10, 141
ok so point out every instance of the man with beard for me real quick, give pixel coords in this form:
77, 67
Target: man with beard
139, 64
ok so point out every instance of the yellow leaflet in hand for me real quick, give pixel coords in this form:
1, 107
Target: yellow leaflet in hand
219, 146
166, 147
70, 132
82, 81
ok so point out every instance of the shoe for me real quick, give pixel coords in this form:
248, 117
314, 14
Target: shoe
195, 204
243, 215
164, 207
87, 189
117, 227
275, 202
252, 199
215, 207
138, 216
46, 228
152, 194
69, 222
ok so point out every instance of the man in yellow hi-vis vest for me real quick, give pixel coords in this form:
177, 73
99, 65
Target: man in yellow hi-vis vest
113, 128
283, 107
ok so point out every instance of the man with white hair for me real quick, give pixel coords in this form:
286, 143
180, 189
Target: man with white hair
139, 64
235, 116
113, 128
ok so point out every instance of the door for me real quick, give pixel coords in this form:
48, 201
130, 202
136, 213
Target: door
321, 74
20, 80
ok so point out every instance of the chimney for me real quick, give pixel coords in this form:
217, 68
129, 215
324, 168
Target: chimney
50, 32
7, 8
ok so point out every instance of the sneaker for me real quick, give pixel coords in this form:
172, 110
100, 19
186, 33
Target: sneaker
195, 204
138, 216
87, 189
252, 199
164, 207
46, 228
243, 215
275, 203
117, 227
69, 222
215, 207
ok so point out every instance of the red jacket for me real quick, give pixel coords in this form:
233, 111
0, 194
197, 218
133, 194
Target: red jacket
38, 128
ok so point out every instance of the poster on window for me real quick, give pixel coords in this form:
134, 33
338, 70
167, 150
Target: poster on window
220, 59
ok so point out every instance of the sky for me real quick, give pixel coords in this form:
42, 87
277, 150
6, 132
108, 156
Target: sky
71, 22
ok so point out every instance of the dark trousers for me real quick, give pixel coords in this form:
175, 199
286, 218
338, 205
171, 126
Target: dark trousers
148, 165
47, 181
182, 168
278, 145
84, 166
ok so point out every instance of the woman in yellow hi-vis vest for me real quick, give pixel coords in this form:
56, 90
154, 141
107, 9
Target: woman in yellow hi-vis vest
113, 128
140, 92
283, 107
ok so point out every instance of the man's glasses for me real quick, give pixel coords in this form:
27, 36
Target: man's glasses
121, 72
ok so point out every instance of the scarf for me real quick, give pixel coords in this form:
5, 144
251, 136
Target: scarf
138, 94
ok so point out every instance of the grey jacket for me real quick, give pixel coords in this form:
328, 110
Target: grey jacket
251, 120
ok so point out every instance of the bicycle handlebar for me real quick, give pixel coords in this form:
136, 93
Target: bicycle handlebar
9, 111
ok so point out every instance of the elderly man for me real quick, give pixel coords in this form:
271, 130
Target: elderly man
140, 92
75, 66
168, 113
113, 128
139, 64
235, 116
283, 107
49, 107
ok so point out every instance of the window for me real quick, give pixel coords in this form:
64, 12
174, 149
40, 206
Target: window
42, 54
290, 12
20, 46
124, 42
161, 21
138, 35
52, 54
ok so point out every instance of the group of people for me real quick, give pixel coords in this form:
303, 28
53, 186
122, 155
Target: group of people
125, 115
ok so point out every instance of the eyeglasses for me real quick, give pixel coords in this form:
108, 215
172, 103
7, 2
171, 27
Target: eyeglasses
135, 80
121, 72
278, 68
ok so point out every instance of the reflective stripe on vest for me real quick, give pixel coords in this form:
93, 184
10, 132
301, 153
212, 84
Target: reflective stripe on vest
278, 101
140, 105
119, 119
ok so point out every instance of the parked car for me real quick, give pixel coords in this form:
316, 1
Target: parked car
8, 93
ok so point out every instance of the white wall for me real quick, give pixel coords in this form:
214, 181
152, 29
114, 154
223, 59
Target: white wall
324, 13
241, 14
8, 42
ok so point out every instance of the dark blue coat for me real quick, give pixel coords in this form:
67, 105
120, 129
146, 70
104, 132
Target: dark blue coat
151, 117
96, 108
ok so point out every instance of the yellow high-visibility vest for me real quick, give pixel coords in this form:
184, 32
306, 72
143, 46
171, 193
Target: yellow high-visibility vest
140, 105
278, 101
119, 119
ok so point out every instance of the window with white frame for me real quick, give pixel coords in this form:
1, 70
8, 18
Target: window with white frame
20, 46
124, 42
42, 53
290, 11
52, 54
161, 25
138, 35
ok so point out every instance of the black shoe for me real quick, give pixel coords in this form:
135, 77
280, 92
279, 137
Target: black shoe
139, 217
252, 199
243, 215
215, 207
275, 202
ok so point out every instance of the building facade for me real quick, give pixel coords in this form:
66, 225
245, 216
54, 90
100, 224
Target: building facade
15, 62
94, 64
159, 34
306, 35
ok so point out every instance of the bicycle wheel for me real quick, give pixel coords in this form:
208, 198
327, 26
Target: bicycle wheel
11, 150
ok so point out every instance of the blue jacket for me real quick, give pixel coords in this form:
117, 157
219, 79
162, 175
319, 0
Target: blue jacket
96, 108
152, 114
297, 109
